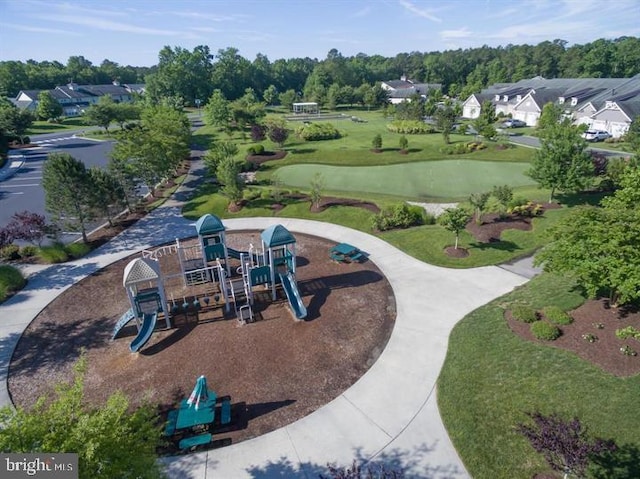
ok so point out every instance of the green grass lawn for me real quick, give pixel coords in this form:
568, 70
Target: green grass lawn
455, 178
427, 243
41, 127
491, 377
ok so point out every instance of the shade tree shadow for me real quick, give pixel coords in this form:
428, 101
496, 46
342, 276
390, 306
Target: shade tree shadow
623, 463
407, 464
61, 275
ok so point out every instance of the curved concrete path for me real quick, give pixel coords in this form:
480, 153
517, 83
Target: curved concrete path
389, 415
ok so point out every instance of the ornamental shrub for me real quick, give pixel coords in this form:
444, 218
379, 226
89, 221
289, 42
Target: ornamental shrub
556, 315
255, 149
410, 127
11, 280
54, 253
524, 313
318, 132
77, 250
10, 252
28, 251
628, 332
401, 215
545, 331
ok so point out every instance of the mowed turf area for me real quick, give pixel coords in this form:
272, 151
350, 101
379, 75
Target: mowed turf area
427, 179
492, 377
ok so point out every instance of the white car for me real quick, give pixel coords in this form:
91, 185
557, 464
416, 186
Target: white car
596, 135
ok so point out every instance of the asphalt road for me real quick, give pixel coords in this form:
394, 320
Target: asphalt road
23, 191
534, 142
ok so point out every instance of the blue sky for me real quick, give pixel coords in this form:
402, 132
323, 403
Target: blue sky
132, 32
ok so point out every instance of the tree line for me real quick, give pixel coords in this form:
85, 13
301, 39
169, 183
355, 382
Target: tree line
195, 74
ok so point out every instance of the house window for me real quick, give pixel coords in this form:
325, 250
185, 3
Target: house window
519, 97
561, 100
505, 98
497, 97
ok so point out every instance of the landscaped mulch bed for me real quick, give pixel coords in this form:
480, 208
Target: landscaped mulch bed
276, 370
598, 318
266, 156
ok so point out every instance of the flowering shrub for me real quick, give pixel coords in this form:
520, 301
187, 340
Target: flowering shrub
529, 209
627, 351
590, 338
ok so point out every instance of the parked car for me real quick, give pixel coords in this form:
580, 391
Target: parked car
596, 135
513, 123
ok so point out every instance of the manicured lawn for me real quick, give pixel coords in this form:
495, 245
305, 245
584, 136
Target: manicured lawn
209, 201
427, 243
41, 127
491, 377
455, 178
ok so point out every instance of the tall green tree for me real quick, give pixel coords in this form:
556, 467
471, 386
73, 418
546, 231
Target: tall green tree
107, 194
633, 136
48, 107
551, 115
111, 441
315, 189
15, 122
445, 119
153, 149
102, 113
562, 162
600, 248
217, 112
228, 174
221, 150
68, 191
270, 95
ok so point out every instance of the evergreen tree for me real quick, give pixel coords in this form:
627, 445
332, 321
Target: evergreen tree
67, 191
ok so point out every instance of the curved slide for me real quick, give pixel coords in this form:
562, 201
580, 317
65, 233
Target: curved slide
148, 325
293, 295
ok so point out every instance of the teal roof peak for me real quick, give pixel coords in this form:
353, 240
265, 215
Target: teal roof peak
276, 235
208, 224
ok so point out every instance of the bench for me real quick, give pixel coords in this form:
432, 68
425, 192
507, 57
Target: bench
170, 428
193, 441
337, 257
356, 257
225, 411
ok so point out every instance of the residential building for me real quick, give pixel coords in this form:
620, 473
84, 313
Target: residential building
403, 89
76, 98
608, 104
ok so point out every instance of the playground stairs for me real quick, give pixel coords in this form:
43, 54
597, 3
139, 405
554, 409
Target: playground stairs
196, 277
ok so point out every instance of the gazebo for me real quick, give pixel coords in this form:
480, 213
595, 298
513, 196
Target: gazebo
306, 108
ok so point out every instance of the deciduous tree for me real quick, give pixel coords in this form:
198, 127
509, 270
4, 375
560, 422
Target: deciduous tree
315, 189
565, 444
48, 107
111, 441
600, 247
27, 226
102, 113
562, 162
228, 174
454, 220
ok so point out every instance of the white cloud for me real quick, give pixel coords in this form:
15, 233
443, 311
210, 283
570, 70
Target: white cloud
108, 25
421, 12
27, 28
463, 32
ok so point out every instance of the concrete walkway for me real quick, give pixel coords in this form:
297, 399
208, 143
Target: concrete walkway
389, 415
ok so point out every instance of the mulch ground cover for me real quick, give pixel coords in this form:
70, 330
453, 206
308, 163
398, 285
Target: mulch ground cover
599, 319
275, 370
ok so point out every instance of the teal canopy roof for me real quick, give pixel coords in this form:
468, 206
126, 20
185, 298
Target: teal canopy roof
276, 235
208, 224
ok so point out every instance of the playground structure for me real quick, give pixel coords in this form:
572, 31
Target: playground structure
179, 279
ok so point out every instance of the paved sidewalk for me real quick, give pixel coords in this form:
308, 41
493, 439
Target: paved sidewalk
390, 414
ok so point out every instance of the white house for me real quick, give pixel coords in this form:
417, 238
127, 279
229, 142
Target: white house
403, 89
602, 103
